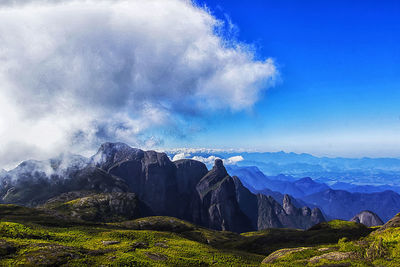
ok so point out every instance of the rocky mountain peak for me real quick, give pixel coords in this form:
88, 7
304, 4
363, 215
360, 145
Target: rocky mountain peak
214, 176
218, 163
289, 208
317, 216
287, 200
306, 211
219, 168
111, 153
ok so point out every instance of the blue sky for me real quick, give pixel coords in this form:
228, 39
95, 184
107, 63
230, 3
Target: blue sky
339, 92
165, 74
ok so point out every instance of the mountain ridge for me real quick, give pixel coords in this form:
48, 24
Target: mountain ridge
184, 189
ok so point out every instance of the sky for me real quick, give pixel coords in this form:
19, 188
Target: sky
319, 77
339, 64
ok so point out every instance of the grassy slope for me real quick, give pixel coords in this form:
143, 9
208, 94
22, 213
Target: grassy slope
32, 237
380, 248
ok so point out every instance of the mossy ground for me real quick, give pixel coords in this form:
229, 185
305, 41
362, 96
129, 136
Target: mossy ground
32, 237
82, 245
380, 248
38, 237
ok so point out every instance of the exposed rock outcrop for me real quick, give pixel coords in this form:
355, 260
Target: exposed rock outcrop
106, 207
368, 218
151, 175
188, 174
219, 206
276, 255
270, 213
247, 201
265, 212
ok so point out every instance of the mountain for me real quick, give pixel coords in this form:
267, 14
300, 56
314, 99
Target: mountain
219, 206
374, 171
308, 186
279, 197
368, 218
341, 204
188, 175
270, 214
254, 179
151, 175
119, 178
29, 184
355, 188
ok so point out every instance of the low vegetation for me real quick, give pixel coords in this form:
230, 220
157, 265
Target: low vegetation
379, 248
44, 237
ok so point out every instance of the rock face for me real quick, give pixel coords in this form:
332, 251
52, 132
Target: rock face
247, 201
303, 218
219, 207
29, 184
151, 175
368, 218
188, 174
270, 213
167, 188
120, 182
265, 212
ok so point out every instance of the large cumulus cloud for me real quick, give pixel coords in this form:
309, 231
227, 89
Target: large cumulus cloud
76, 73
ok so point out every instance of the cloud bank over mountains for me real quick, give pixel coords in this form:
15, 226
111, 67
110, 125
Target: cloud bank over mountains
77, 73
209, 160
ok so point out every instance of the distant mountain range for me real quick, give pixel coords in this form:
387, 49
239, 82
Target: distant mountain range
343, 205
254, 179
364, 188
357, 171
336, 204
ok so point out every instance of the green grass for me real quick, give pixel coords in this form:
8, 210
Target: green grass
83, 245
44, 237
266, 241
31, 237
379, 248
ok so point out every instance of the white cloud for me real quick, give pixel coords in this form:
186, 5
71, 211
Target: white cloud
76, 73
180, 156
209, 161
233, 160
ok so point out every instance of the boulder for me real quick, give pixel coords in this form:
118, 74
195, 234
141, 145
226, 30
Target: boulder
368, 218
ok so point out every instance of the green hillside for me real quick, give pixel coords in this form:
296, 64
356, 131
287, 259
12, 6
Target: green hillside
30, 236
380, 248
